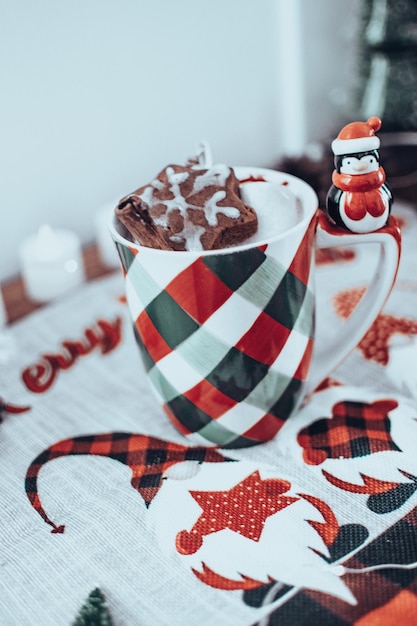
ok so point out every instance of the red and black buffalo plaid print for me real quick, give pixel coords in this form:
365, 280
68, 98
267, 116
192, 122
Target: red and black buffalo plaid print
355, 429
386, 592
148, 458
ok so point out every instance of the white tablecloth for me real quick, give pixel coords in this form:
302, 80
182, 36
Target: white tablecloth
338, 505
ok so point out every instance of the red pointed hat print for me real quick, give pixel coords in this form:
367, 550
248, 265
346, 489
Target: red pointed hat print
357, 137
148, 458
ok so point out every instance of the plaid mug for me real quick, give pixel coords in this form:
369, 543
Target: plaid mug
227, 336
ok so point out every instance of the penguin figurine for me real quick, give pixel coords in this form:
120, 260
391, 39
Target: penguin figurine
358, 200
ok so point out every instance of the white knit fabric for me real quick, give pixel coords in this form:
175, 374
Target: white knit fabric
111, 539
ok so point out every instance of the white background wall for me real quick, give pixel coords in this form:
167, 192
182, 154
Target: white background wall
99, 95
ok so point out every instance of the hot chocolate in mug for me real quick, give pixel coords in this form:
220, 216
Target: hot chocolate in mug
227, 336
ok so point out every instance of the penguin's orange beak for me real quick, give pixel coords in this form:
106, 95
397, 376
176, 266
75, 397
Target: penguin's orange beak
360, 166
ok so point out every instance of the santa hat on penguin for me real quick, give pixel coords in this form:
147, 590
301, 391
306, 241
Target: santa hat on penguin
357, 137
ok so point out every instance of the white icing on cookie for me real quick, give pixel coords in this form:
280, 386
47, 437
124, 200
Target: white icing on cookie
217, 175
147, 196
211, 210
191, 233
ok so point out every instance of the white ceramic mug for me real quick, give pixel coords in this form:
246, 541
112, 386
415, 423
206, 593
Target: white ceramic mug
227, 336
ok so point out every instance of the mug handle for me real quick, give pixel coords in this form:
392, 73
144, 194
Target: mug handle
338, 348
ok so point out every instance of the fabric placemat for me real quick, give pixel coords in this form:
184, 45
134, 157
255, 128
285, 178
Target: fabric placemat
100, 492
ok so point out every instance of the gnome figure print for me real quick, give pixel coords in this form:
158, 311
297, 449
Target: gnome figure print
234, 525
358, 200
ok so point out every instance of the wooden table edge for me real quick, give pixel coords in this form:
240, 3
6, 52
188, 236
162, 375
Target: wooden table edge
18, 304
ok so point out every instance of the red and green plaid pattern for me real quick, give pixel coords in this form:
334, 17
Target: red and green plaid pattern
246, 338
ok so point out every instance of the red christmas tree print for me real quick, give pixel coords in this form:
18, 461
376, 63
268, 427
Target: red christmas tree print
375, 344
243, 509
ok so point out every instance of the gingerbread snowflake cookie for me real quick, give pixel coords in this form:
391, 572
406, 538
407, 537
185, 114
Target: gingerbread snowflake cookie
188, 208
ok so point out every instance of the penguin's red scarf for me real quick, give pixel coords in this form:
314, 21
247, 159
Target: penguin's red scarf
363, 193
